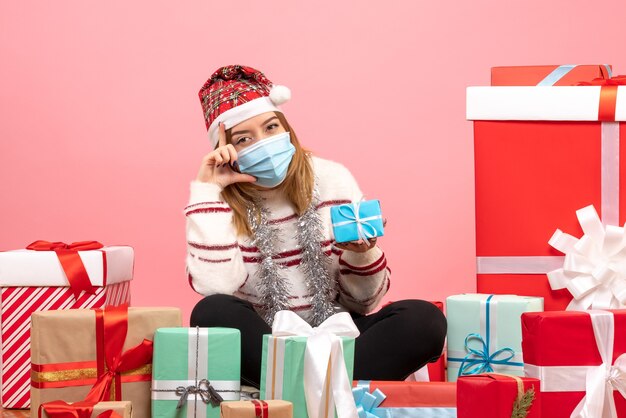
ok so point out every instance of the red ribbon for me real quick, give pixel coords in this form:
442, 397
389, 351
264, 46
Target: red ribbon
62, 409
70, 261
261, 409
608, 95
111, 330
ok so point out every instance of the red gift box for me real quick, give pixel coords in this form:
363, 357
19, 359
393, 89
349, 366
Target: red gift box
561, 349
36, 281
493, 395
556, 75
539, 156
413, 394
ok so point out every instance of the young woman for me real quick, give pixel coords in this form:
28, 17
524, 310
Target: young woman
259, 238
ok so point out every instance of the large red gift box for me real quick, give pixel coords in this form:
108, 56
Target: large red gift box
493, 395
565, 348
35, 280
542, 153
554, 75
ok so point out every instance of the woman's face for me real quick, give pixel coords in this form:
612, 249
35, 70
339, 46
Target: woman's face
255, 129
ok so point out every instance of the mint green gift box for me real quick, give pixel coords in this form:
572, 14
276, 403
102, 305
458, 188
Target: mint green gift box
189, 360
284, 378
485, 333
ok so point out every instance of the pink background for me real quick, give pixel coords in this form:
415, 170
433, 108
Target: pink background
101, 128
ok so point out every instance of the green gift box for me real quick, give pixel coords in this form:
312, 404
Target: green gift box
282, 369
485, 333
192, 365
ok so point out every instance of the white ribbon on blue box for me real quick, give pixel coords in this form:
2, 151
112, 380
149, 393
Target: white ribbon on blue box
360, 220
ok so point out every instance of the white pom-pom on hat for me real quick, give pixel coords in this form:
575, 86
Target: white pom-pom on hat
279, 94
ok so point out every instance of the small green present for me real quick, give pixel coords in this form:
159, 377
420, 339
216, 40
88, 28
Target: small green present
286, 352
193, 370
485, 333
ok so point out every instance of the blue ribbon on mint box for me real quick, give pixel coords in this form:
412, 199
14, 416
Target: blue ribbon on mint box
485, 357
367, 227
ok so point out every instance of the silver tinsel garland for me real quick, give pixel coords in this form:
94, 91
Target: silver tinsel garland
273, 287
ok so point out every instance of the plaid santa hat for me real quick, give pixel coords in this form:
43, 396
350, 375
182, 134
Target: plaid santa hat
235, 93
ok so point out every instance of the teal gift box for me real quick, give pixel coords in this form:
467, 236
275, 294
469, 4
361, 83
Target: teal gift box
354, 221
191, 365
282, 369
485, 333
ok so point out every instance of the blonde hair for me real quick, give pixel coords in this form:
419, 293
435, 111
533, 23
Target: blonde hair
297, 186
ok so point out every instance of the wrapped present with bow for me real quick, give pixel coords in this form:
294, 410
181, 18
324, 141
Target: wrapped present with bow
96, 355
541, 153
257, 409
495, 395
310, 367
580, 359
62, 409
357, 221
387, 399
52, 276
194, 370
485, 334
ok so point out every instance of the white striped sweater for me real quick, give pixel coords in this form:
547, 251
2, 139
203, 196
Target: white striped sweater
219, 261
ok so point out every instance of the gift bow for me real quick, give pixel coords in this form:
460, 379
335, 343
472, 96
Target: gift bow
71, 262
62, 409
366, 402
601, 380
111, 330
207, 393
594, 270
480, 360
362, 224
323, 360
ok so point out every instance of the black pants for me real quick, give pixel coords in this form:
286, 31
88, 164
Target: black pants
394, 342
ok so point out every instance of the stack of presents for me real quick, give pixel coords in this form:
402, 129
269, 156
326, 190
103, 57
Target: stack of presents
545, 336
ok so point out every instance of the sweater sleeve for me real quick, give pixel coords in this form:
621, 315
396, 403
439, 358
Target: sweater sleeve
214, 260
364, 278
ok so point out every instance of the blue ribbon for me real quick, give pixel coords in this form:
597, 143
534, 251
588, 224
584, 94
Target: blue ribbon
367, 403
560, 72
481, 360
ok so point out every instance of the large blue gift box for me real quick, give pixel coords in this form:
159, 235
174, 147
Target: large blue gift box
354, 221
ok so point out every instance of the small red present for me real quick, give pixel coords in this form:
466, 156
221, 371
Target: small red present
397, 399
552, 75
579, 358
494, 395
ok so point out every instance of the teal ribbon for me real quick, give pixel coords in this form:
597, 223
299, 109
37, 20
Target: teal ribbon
367, 403
481, 360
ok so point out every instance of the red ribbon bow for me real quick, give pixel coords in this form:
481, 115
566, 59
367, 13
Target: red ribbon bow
261, 409
70, 261
608, 95
111, 330
62, 409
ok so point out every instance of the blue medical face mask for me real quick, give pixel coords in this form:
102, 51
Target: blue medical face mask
268, 159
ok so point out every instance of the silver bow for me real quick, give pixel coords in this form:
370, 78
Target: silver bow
207, 393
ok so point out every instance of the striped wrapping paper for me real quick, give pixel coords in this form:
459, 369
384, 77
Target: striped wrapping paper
34, 281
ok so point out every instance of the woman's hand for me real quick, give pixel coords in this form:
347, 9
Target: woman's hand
216, 165
359, 246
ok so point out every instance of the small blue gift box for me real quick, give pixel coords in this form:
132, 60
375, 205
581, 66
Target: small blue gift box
354, 221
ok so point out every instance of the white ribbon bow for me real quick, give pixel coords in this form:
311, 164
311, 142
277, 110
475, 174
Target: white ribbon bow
594, 270
603, 379
323, 360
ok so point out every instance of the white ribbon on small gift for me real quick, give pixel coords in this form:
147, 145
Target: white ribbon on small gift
364, 228
599, 382
326, 380
594, 270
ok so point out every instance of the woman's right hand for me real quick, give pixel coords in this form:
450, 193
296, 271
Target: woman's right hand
216, 164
